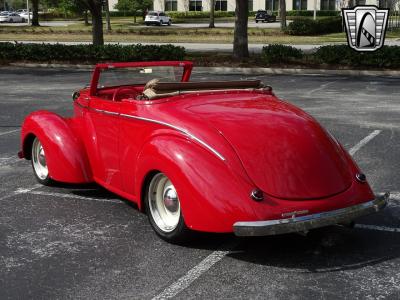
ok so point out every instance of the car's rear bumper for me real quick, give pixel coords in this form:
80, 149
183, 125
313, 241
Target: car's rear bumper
304, 223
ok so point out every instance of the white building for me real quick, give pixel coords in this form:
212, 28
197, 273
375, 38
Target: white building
254, 5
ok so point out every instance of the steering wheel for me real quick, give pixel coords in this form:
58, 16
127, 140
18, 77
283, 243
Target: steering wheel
122, 88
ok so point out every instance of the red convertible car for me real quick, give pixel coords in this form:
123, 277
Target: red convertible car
216, 156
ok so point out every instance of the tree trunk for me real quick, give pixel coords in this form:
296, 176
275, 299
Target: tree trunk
240, 42
107, 9
35, 13
97, 25
212, 10
86, 18
282, 8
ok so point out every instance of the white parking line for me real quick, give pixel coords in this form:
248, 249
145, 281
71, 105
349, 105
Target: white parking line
364, 141
8, 132
194, 273
21, 191
395, 196
6, 161
71, 196
375, 227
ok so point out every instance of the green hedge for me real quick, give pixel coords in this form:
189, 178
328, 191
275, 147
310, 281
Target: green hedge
280, 54
314, 27
89, 53
387, 57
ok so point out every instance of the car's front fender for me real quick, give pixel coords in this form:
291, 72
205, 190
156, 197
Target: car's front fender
212, 196
66, 157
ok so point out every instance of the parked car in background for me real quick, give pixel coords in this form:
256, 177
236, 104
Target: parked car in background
157, 18
11, 18
264, 16
24, 16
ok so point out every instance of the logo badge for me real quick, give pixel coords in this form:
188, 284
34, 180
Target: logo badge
365, 27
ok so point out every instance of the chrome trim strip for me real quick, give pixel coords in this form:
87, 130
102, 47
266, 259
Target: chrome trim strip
106, 112
184, 131
296, 224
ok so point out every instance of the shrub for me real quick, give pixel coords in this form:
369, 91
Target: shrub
89, 53
280, 53
313, 27
387, 57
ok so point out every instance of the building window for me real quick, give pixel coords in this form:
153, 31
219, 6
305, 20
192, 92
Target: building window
328, 4
171, 5
300, 4
221, 5
272, 5
195, 5
250, 5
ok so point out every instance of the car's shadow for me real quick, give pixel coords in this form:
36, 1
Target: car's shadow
327, 249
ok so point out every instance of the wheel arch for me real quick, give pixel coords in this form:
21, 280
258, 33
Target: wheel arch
65, 153
199, 176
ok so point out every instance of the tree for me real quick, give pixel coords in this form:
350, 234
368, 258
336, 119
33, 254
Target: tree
134, 6
282, 8
240, 41
95, 8
35, 13
212, 11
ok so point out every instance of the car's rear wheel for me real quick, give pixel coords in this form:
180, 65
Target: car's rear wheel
161, 23
164, 210
11, 21
169, 23
39, 163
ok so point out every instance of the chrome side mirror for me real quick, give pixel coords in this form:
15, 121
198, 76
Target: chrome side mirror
75, 95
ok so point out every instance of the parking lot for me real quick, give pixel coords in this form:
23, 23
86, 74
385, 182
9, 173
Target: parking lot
82, 242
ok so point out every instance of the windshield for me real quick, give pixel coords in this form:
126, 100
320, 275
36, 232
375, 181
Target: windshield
112, 77
153, 14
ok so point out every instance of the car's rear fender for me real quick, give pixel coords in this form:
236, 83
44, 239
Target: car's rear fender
212, 196
66, 156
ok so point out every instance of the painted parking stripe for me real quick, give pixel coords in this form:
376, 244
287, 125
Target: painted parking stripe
375, 227
72, 196
9, 132
364, 141
395, 196
194, 273
21, 191
6, 161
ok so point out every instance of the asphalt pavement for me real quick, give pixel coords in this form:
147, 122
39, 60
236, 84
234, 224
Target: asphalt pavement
83, 242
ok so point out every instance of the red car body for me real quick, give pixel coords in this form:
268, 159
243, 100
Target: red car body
217, 147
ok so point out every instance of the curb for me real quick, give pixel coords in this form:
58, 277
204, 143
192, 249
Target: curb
238, 71
282, 71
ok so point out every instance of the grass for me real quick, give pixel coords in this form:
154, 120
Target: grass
125, 30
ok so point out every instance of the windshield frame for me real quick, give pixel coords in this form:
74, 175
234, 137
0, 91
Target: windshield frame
187, 69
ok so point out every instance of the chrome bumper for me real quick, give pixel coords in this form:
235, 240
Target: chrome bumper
304, 223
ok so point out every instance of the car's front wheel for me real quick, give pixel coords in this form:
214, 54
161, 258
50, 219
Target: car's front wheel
164, 210
39, 163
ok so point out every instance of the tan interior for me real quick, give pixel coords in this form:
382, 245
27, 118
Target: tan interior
155, 89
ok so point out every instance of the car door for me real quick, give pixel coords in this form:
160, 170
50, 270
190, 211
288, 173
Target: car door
104, 127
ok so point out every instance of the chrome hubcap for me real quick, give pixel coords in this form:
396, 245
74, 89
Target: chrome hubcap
164, 203
39, 160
